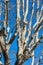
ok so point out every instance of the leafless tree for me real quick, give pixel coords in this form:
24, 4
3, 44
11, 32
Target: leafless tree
25, 51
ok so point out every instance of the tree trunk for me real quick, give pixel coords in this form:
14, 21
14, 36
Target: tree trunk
18, 63
4, 51
19, 60
6, 59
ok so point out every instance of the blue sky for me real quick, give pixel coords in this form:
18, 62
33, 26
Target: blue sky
12, 20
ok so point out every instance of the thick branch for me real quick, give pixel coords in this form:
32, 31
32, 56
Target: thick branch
6, 59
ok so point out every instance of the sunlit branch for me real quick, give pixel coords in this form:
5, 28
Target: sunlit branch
20, 30
23, 6
33, 59
38, 18
38, 41
6, 15
32, 48
26, 11
24, 20
29, 29
38, 28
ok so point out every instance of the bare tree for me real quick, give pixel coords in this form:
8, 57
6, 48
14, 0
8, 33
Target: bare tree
25, 49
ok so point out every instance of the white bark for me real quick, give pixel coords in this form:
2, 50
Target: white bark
32, 58
38, 17
22, 41
29, 30
24, 31
31, 43
26, 11
36, 33
23, 34
23, 6
18, 16
25, 22
18, 9
19, 43
38, 3
19, 30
